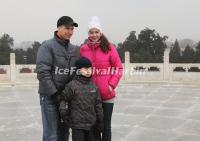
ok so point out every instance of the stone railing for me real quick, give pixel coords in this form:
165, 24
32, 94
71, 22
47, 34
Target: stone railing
4, 73
161, 72
17, 74
133, 72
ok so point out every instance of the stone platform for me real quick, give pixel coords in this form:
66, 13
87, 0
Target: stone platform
142, 112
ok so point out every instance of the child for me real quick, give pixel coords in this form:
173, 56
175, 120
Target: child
81, 106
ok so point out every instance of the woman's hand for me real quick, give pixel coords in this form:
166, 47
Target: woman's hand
110, 88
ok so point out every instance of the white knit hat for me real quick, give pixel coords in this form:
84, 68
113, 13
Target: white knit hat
95, 23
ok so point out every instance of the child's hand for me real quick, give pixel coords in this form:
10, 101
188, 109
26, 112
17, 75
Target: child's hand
99, 127
64, 113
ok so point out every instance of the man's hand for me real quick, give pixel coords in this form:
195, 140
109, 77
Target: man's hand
57, 97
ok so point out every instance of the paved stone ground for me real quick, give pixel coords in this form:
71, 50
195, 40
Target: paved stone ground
156, 112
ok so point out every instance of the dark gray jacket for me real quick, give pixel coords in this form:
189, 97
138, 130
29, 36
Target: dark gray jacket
55, 64
85, 105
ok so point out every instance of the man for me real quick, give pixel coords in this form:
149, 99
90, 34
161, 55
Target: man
54, 65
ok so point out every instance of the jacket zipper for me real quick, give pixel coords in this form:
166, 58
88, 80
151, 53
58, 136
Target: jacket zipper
69, 60
69, 67
94, 57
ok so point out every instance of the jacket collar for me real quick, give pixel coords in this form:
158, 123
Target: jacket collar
92, 44
63, 42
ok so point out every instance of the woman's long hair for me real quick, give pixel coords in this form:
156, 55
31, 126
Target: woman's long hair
104, 44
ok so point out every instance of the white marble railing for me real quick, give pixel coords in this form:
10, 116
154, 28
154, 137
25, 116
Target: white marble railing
4, 73
25, 73
136, 72
17, 74
133, 72
185, 66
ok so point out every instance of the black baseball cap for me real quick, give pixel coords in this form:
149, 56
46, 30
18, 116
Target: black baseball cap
66, 20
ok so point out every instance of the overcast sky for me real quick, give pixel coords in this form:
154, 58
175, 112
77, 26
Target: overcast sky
35, 20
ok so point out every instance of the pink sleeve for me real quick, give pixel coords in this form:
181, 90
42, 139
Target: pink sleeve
117, 65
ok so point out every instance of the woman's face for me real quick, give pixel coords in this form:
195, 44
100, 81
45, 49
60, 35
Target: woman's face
94, 34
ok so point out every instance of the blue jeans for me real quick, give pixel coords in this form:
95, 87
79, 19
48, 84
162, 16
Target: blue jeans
53, 128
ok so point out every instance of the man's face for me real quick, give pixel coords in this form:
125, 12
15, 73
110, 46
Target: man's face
65, 32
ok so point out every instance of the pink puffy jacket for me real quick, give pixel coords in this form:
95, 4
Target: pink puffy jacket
103, 64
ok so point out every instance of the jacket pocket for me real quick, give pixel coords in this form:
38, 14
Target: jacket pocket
103, 86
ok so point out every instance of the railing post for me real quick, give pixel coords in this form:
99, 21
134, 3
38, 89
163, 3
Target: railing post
166, 65
126, 66
12, 68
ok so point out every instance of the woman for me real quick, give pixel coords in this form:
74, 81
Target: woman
107, 70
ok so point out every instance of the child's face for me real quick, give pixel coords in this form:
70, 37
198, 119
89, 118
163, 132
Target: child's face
87, 72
